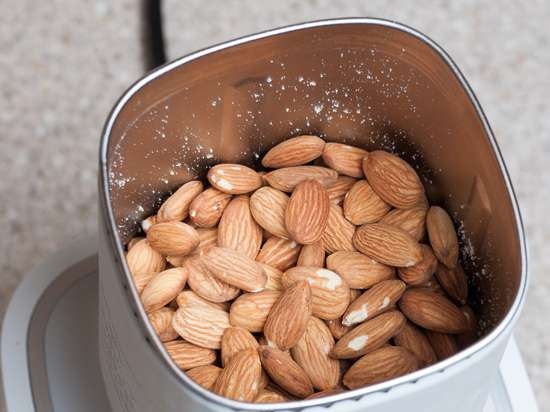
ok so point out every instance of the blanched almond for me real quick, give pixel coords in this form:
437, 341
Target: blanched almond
268, 206
176, 207
173, 238
207, 208
234, 179
345, 159
359, 271
295, 151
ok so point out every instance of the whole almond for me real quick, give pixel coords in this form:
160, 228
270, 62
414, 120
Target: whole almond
270, 396
416, 342
161, 320
337, 190
234, 179
163, 288
380, 365
188, 356
142, 259
206, 285
393, 179
307, 212
288, 318
250, 310
311, 353
469, 337
335, 325
421, 272
345, 159
205, 376
279, 253
236, 339
235, 268
432, 311
133, 242
176, 207
173, 238
312, 255
295, 151
362, 205
359, 271
443, 344
141, 280
287, 178
239, 380
207, 208
268, 206
148, 222
454, 282
339, 232
274, 277
330, 295
412, 221
238, 230
442, 234
179, 261
388, 244
369, 335
285, 372
327, 392
374, 301
208, 238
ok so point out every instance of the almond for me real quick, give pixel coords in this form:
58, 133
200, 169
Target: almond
327, 392
362, 205
198, 322
250, 310
295, 151
236, 339
454, 282
434, 286
469, 337
339, 232
337, 190
423, 271
416, 342
388, 244
285, 372
444, 345
279, 253
432, 311
163, 288
274, 277
188, 356
412, 221
337, 328
141, 280
311, 353
142, 259
288, 318
177, 261
369, 335
239, 380
206, 285
234, 179
173, 238
330, 295
207, 208
268, 206
442, 236
205, 376
380, 365
270, 396
374, 301
148, 222
133, 242
312, 255
161, 320
238, 230
176, 207
287, 178
307, 212
359, 271
208, 238
346, 160
393, 179
236, 269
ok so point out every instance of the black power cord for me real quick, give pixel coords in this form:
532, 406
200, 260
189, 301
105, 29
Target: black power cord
154, 49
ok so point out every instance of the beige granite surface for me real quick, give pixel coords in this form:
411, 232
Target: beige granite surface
63, 64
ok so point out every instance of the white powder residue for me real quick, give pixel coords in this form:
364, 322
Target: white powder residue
357, 316
385, 302
358, 343
224, 184
331, 279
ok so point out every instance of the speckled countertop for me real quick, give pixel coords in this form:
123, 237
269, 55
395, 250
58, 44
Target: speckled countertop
63, 64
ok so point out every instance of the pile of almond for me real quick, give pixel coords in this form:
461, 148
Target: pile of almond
306, 279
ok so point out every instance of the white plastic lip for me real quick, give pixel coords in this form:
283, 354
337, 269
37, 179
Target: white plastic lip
488, 340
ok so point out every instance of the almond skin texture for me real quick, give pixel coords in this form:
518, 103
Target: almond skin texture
142, 259
289, 316
236, 269
393, 179
176, 207
188, 356
161, 320
422, 271
443, 344
295, 151
270, 396
359, 271
234, 179
274, 277
238, 230
206, 285
173, 238
432, 311
312, 255
337, 190
205, 376
250, 310
362, 205
307, 212
381, 365
207, 208
369, 335
442, 234
163, 288
285, 372
236, 339
311, 353
268, 206
339, 232
324, 393
240, 379
388, 244
454, 282
287, 178
374, 301
416, 342
346, 160
133, 242
412, 221
279, 253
